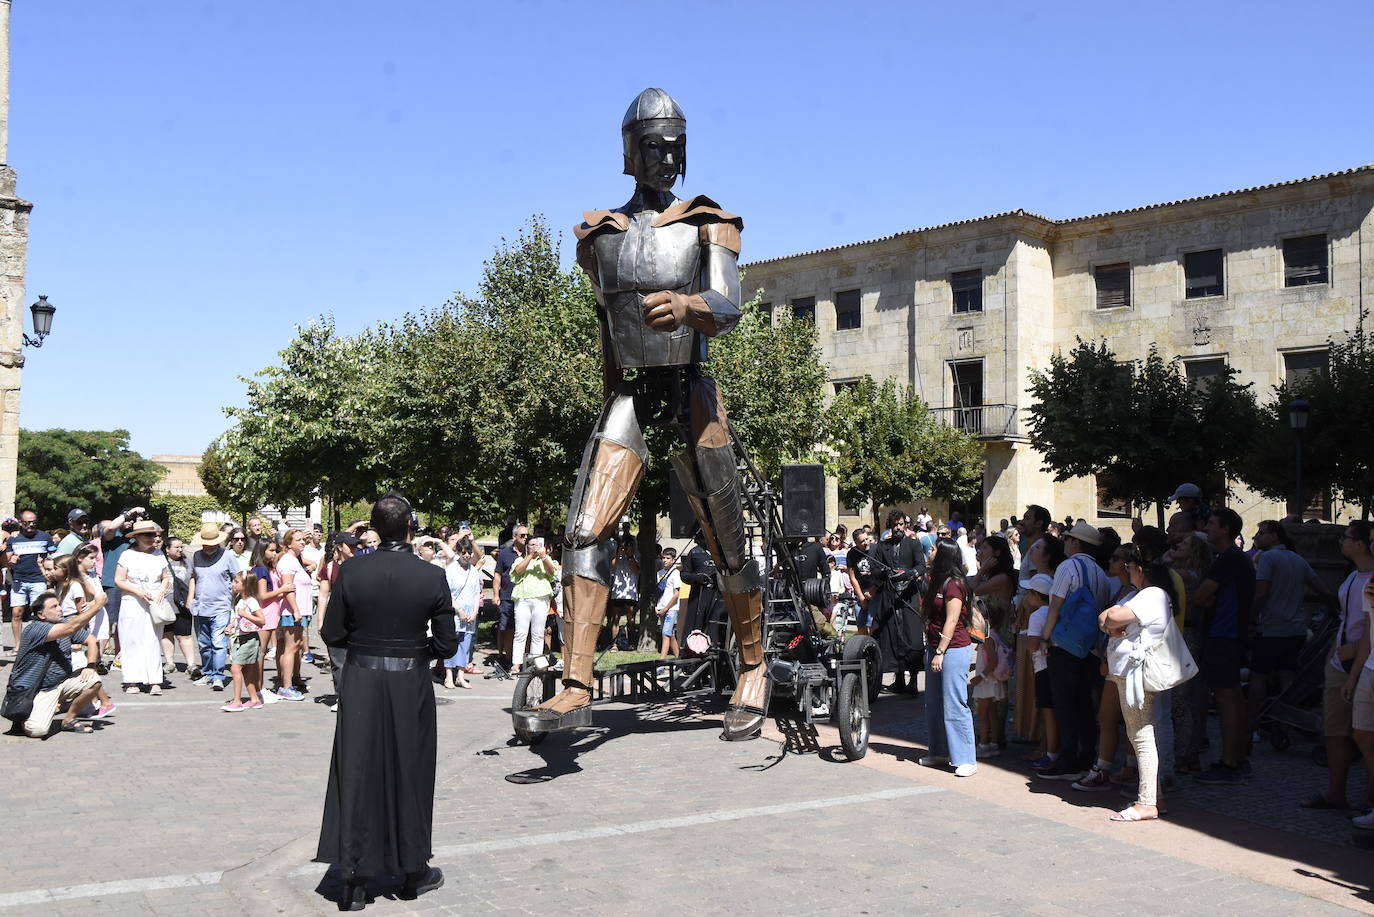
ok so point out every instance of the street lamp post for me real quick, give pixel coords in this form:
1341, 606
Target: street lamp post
1297, 419
42, 322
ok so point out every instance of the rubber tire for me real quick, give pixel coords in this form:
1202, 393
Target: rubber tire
1279, 738
523, 698
852, 722
860, 645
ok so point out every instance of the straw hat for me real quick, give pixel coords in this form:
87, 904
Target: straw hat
146, 527
1085, 533
210, 534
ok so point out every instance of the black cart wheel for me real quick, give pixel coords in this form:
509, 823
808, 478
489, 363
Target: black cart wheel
1279, 737
532, 688
865, 647
851, 716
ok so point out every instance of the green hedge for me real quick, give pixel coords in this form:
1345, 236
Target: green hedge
181, 515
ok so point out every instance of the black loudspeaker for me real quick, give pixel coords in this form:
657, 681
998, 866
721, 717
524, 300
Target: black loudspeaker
803, 501
682, 522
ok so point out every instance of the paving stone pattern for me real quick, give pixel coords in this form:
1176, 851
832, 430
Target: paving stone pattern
174, 786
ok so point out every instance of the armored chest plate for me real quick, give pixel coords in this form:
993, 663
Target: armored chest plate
645, 259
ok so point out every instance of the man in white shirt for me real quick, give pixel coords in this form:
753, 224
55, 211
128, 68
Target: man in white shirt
670, 580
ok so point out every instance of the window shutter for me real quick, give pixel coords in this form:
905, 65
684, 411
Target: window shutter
1113, 285
1304, 260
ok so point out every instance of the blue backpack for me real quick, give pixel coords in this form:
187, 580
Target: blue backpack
1076, 631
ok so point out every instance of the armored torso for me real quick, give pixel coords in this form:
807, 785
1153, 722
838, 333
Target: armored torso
688, 248
645, 259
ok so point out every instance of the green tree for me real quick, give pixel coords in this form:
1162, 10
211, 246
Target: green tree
311, 425
94, 470
1140, 427
888, 448
1341, 416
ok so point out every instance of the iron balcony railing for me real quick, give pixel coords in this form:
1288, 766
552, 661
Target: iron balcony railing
986, 421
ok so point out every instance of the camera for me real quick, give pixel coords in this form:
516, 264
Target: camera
132, 515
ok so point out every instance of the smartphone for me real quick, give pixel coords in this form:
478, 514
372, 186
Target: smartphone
536, 544
465, 525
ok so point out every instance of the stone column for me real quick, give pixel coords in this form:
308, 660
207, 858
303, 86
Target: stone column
14, 243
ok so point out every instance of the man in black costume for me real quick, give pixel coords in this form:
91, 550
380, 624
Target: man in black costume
899, 567
379, 808
704, 607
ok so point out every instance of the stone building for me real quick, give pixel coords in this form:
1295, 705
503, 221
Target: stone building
1256, 279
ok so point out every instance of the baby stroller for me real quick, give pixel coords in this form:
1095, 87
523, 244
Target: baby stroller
1298, 708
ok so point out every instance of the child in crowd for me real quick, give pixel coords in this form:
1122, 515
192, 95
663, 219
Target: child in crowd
989, 680
670, 584
245, 652
1037, 599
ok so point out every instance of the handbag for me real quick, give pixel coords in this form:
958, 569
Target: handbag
162, 611
1167, 663
18, 702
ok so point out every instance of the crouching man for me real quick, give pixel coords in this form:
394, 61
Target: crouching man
45, 661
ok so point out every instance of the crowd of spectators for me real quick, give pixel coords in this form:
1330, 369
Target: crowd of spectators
978, 608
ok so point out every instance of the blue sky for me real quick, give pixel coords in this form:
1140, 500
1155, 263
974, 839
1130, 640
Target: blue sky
206, 174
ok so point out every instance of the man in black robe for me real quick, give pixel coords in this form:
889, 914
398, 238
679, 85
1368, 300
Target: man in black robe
705, 611
379, 808
899, 567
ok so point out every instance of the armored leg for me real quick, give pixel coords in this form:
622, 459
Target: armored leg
709, 476
612, 468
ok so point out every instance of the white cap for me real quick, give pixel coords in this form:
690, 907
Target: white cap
1185, 490
1041, 583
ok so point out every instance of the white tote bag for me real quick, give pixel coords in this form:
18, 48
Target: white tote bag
1167, 663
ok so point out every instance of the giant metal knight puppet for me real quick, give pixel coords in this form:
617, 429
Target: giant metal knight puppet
666, 278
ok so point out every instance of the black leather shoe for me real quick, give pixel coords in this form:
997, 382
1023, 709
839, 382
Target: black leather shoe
354, 894
421, 882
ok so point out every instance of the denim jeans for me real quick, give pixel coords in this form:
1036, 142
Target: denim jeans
948, 718
214, 645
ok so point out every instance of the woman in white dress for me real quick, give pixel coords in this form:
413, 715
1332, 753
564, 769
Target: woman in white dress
143, 576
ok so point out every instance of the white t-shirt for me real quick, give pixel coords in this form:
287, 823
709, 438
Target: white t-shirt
1353, 623
312, 555
289, 566
671, 584
1035, 626
1151, 608
243, 625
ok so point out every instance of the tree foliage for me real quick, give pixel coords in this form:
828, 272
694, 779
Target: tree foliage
1341, 416
1141, 427
482, 406
94, 470
889, 448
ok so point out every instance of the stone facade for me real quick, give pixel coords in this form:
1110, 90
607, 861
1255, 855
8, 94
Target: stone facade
1042, 286
180, 476
14, 244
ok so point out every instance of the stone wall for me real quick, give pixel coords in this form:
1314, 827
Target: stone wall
1039, 295
14, 243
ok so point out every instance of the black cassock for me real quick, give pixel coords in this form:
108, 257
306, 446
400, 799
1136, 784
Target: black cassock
379, 808
899, 569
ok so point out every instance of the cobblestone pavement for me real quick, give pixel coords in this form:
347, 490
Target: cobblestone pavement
178, 808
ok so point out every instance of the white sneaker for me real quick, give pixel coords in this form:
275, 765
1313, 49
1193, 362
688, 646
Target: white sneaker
269, 696
966, 770
1364, 821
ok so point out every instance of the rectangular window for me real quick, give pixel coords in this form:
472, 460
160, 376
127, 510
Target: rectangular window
848, 311
1113, 285
1107, 508
804, 309
967, 376
1203, 373
1202, 272
767, 309
1305, 261
1300, 364
841, 384
967, 287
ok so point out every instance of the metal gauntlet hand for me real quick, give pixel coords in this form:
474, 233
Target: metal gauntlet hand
666, 311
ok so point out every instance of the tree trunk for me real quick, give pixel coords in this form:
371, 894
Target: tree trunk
648, 578
1159, 513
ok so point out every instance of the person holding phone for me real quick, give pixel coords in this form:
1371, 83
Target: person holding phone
532, 576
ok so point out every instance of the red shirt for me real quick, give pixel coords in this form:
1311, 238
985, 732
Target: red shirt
935, 615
